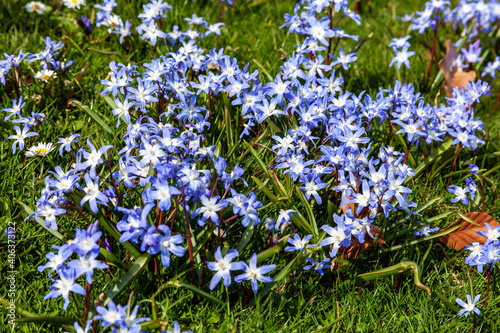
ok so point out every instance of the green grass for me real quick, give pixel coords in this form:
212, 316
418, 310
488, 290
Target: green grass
302, 302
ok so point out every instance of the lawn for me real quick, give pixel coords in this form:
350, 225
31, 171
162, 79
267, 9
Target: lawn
189, 175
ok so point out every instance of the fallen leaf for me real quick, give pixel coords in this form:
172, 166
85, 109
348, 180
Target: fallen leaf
453, 76
352, 205
467, 233
356, 247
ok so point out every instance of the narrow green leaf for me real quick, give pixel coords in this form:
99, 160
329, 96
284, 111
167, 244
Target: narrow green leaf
326, 327
134, 269
227, 120
54, 320
446, 301
266, 254
113, 259
247, 235
466, 218
441, 149
263, 70
94, 116
110, 101
418, 241
309, 211
266, 191
180, 284
153, 324
393, 270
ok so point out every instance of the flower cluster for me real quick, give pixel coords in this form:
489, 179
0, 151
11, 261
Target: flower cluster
28, 125
223, 265
86, 247
483, 15
464, 194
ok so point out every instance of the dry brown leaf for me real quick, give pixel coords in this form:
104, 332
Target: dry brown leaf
356, 248
453, 76
347, 205
467, 233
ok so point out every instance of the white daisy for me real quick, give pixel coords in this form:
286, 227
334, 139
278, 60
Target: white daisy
74, 3
40, 149
45, 75
36, 6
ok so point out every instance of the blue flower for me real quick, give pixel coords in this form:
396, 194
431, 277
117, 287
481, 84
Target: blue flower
163, 192
339, 236
317, 265
469, 306
298, 244
209, 209
223, 265
284, 217
474, 169
66, 143
64, 285
402, 57
79, 329
460, 194
492, 233
113, 315
344, 59
20, 136
17, 106
254, 273
166, 245
86, 265
426, 231
92, 194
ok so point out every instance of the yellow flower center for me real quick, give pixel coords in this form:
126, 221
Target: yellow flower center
74, 1
113, 24
45, 76
35, 7
41, 150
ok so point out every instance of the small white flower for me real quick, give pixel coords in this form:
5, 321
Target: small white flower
41, 149
45, 75
74, 3
36, 6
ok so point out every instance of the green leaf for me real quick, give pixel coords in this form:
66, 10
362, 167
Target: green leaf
227, 119
124, 281
180, 284
264, 189
418, 241
94, 115
446, 301
153, 324
441, 149
113, 259
466, 218
273, 250
110, 101
309, 211
393, 270
263, 69
247, 235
